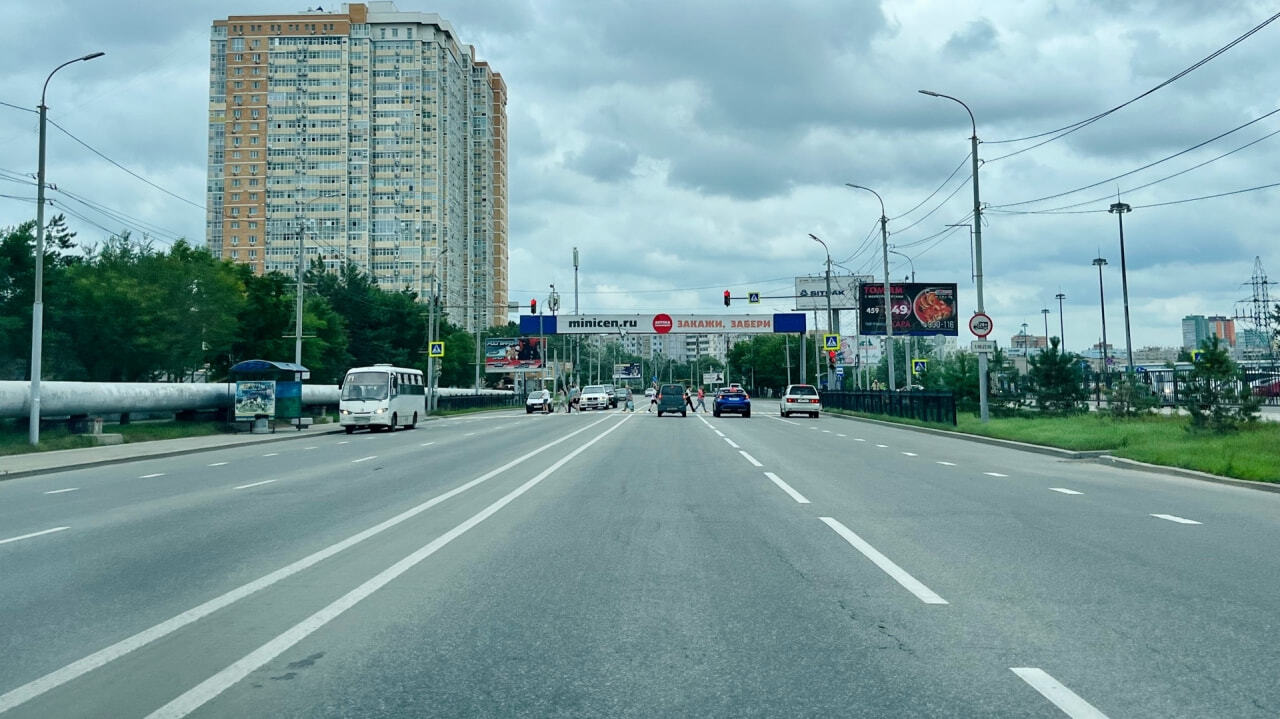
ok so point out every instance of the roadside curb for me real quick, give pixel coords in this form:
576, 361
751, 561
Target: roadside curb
995, 441
1100, 456
156, 455
1188, 473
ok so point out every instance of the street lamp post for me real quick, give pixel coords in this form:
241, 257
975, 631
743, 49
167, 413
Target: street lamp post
888, 303
1062, 332
1100, 262
1118, 209
977, 249
1045, 312
830, 316
911, 341
37, 305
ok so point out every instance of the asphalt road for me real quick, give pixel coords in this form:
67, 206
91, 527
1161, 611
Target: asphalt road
611, 564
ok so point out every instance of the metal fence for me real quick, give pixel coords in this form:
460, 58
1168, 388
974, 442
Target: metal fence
478, 401
937, 407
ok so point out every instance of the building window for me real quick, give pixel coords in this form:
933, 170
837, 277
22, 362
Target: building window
253, 254
235, 239
235, 254
253, 239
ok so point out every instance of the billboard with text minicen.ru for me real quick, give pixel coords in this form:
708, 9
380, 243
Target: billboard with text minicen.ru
662, 324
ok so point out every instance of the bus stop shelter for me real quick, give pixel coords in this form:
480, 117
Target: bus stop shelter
267, 390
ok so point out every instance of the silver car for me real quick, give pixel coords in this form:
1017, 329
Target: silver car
800, 399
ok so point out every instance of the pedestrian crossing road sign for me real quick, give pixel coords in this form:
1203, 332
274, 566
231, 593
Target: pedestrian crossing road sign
919, 366
831, 342
436, 349
753, 298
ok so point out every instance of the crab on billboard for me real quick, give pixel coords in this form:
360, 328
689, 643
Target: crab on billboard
512, 354
920, 309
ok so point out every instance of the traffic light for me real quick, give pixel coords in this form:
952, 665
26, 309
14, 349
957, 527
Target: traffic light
533, 307
726, 298
831, 359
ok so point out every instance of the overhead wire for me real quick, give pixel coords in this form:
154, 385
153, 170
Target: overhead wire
936, 191
1068, 129
125, 169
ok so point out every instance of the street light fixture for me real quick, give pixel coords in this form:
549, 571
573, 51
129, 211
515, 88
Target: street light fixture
1118, 209
37, 305
977, 248
1045, 312
888, 308
830, 315
1100, 262
1062, 332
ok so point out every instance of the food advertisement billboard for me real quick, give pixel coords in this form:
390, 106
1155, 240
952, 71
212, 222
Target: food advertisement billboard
920, 309
512, 354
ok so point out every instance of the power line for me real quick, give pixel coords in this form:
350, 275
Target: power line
939, 189
1144, 167
1068, 129
127, 170
1140, 207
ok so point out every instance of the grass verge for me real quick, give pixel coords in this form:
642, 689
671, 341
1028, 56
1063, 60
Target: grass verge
13, 440
1247, 454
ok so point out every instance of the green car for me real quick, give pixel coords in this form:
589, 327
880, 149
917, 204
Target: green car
671, 399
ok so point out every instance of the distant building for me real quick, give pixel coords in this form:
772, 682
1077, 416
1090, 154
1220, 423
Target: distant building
1224, 328
365, 135
1195, 329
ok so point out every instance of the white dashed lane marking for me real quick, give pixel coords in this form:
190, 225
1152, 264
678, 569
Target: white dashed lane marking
149, 476
217, 464
911, 454
945, 464
995, 474
731, 443
786, 488
899, 574
364, 459
1068, 701
33, 534
255, 484
1174, 518
1064, 490
62, 491
750, 459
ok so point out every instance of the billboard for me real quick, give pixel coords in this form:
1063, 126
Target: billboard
662, 323
629, 370
919, 309
512, 354
255, 398
811, 292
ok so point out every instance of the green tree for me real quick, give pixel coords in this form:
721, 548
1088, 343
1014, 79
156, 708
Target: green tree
1216, 392
1055, 379
958, 374
1131, 396
763, 358
17, 285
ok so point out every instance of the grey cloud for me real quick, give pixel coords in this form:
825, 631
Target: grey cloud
604, 160
979, 36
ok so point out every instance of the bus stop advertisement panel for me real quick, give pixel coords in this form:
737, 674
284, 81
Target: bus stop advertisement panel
266, 389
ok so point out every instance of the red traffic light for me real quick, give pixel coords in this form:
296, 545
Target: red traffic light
726, 298
831, 358
533, 307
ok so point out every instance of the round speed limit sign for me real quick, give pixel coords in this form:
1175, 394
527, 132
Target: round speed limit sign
981, 325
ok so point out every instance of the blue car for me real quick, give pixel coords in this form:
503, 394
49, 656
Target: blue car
729, 399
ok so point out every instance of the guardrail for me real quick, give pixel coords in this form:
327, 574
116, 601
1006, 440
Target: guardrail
474, 401
925, 406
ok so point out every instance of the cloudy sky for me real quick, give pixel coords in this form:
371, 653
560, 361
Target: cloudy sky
689, 146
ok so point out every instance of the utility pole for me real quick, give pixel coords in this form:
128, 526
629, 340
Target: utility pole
1118, 209
1099, 262
297, 330
1045, 312
37, 304
888, 301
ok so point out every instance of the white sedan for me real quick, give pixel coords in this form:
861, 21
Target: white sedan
800, 398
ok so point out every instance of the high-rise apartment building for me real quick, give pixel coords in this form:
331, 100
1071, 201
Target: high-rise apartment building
368, 135
1195, 329
1224, 328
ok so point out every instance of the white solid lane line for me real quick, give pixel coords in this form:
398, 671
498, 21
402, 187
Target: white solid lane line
217, 464
1068, 701
911, 454
1174, 518
731, 443
62, 491
786, 488
1064, 490
899, 574
945, 464
365, 459
218, 683
149, 476
995, 474
256, 484
29, 536
80, 667
749, 458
